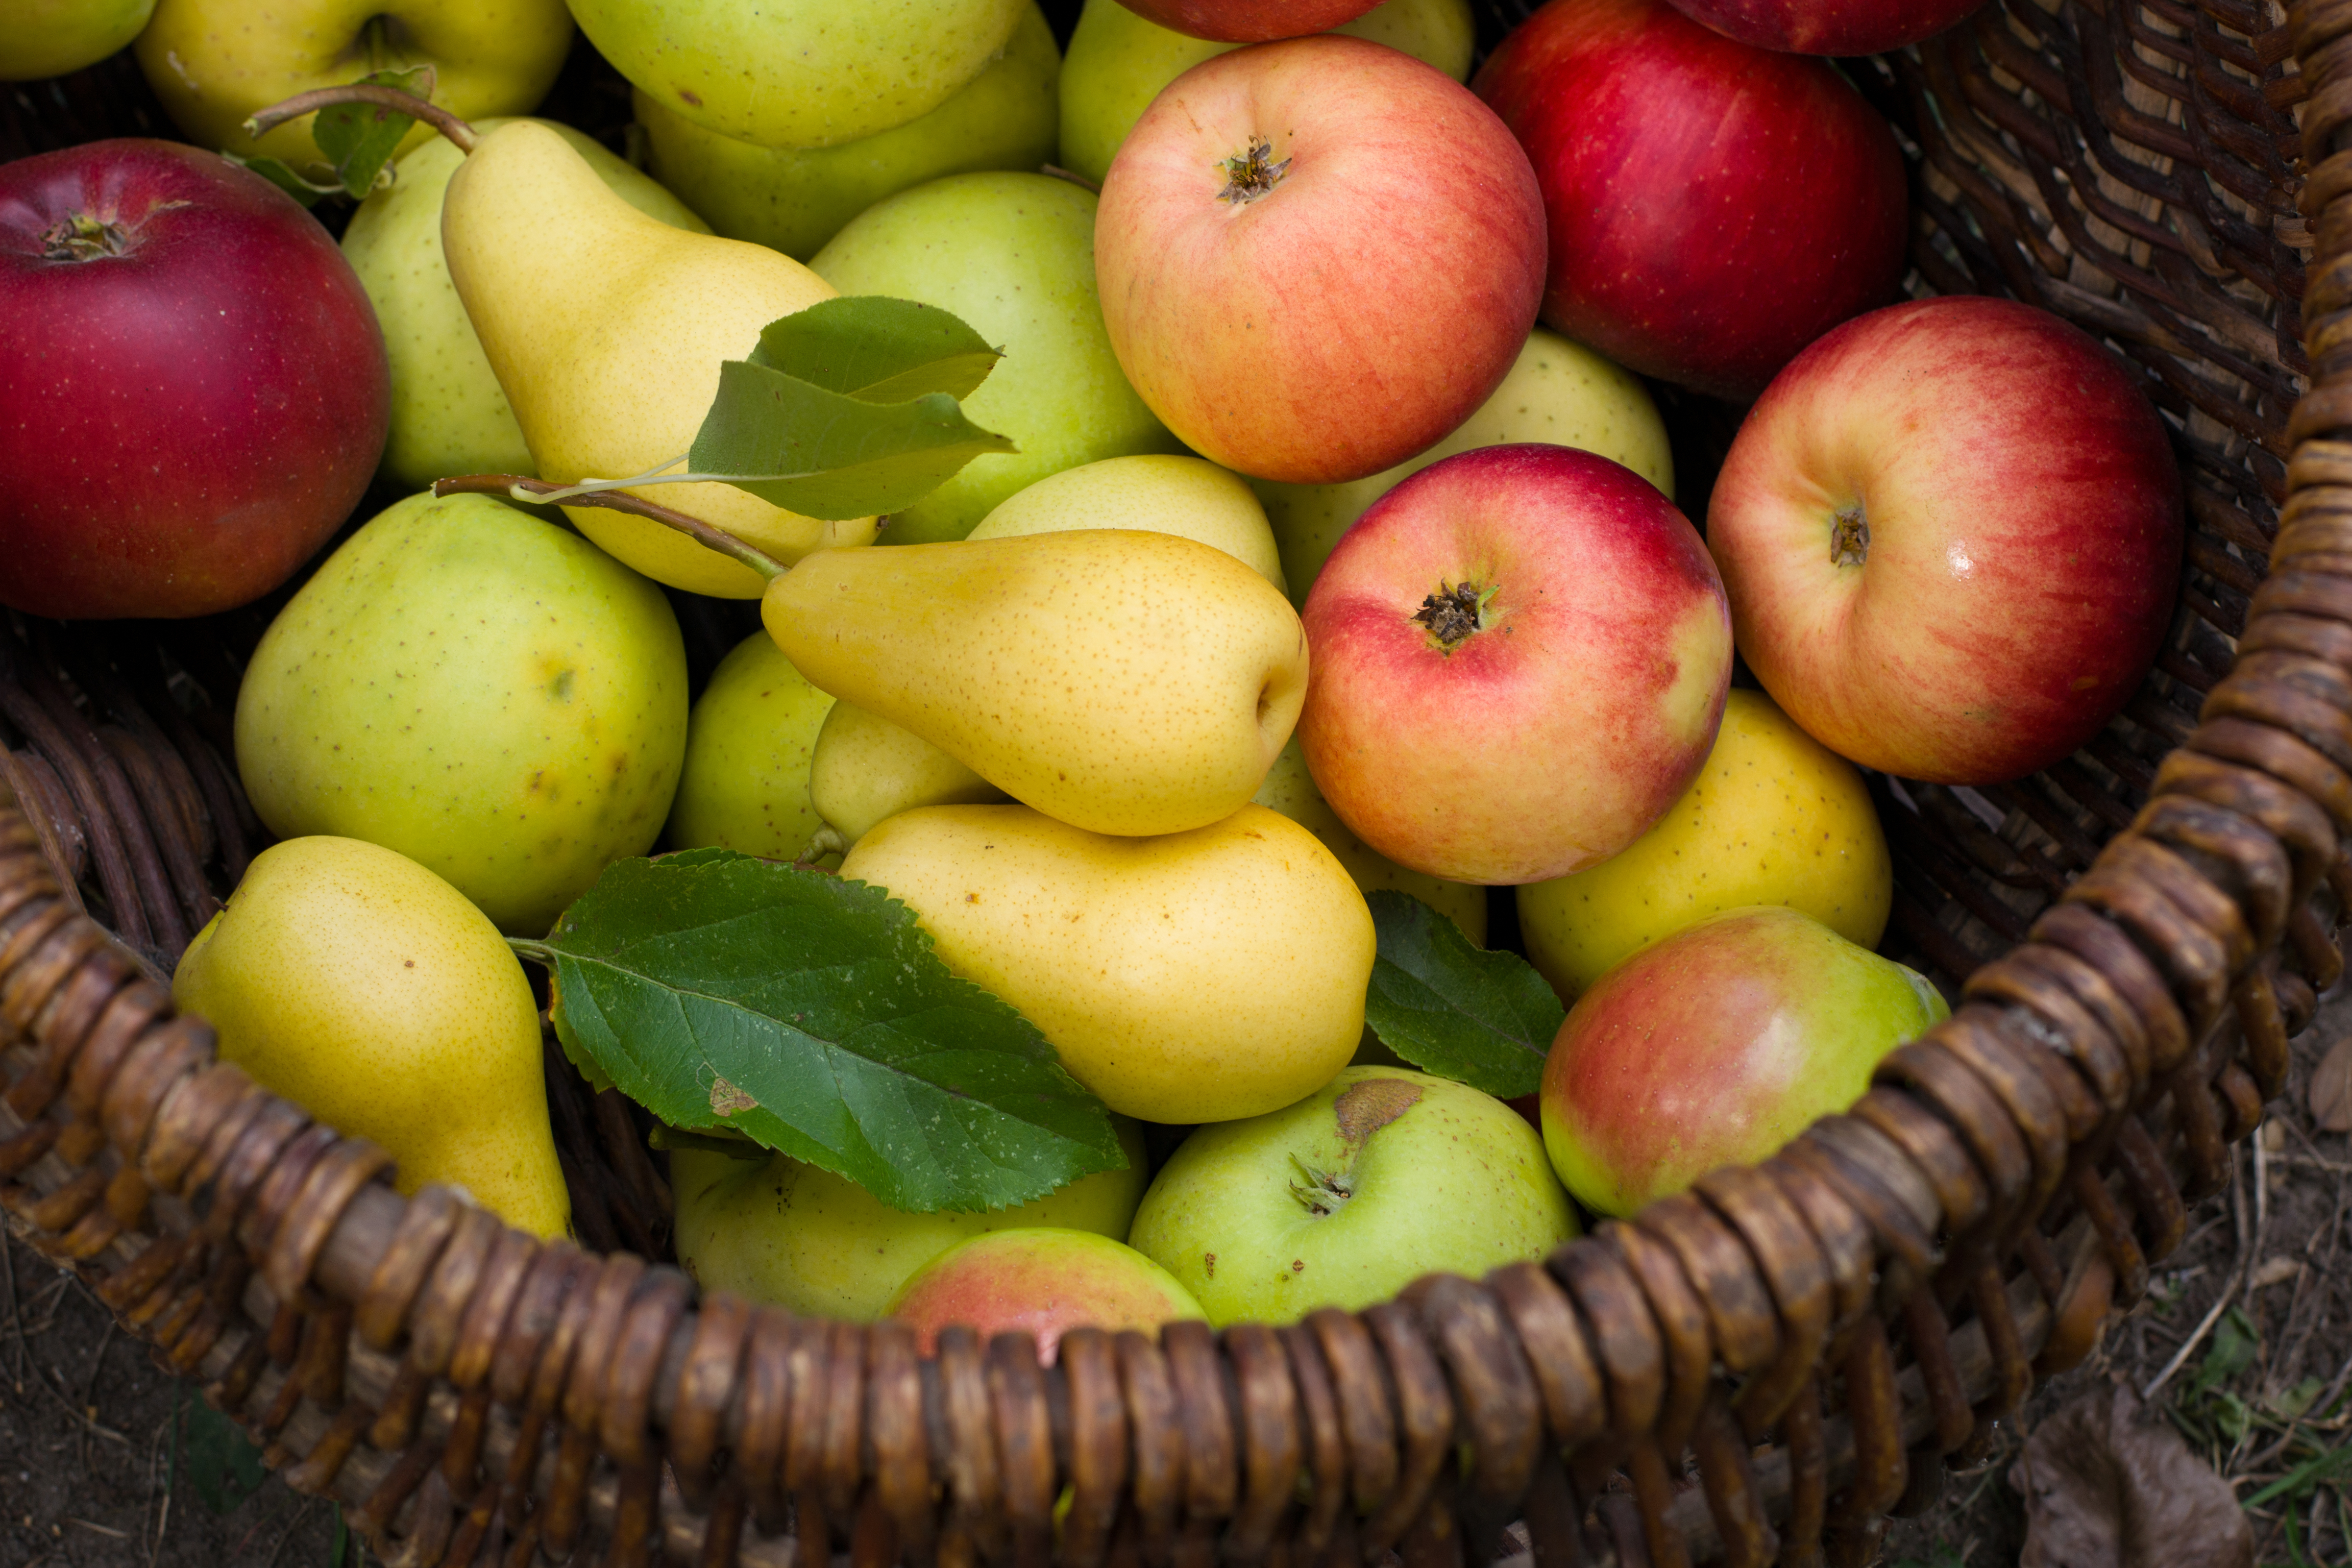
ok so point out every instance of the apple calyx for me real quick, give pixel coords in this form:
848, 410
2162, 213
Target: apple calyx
1252, 173
1321, 1193
1850, 537
1361, 1110
1454, 614
82, 237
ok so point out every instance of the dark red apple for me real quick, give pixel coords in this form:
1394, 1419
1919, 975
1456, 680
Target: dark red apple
192, 386
1829, 26
1249, 21
1713, 207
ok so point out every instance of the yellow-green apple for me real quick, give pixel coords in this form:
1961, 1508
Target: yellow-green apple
1713, 1047
1119, 62
1342, 1200
1951, 531
799, 73
1775, 818
796, 198
1317, 256
1042, 1282
1704, 259
52, 37
1152, 493
748, 747
1013, 255
1558, 392
1516, 661
192, 391
771, 1228
215, 63
1248, 21
1829, 26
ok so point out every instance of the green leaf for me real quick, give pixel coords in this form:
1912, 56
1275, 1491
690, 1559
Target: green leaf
223, 1464
721, 991
359, 139
283, 176
1482, 1018
877, 350
824, 454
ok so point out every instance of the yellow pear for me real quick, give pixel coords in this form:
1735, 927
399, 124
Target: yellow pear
606, 329
1291, 790
864, 769
368, 991
1153, 492
1124, 683
1195, 976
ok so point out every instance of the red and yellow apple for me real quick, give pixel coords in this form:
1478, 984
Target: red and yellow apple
1517, 658
1317, 256
1952, 532
1829, 26
1041, 1281
1716, 1046
1248, 21
1713, 207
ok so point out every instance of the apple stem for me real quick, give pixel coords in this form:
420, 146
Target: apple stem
1059, 172
459, 133
520, 488
1850, 537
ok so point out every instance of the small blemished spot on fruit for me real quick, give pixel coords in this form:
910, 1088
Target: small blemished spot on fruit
1209, 1262
408, 964
972, 897
1299, 1266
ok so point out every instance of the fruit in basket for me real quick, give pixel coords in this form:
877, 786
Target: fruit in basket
1830, 26
606, 329
368, 991
191, 383
1290, 789
1774, 817
215, 63
478, 690
1013, 255
800, 73
1189, 496
1713, 1047
1952, 532
773, 1228
1119, 62
1190, 977
796, 198
53, 37
750, 745
865, 769
1042, 1283
1124, 682
1248, 21
1709, 260
1519, 658
1317, 257
1558, 392
449, 414
1344, 1198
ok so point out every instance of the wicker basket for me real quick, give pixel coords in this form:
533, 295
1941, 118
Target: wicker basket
2137, 933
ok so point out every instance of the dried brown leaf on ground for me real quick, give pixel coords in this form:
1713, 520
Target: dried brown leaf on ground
2105, 1487
2331, 1088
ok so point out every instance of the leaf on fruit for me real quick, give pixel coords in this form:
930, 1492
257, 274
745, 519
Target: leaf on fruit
359, 139
877, 350
728, 994
1482, 1018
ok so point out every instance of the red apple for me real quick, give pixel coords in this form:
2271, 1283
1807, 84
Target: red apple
1714, 207
1518, 659
1713, 1047
1317, 256
1829, 26
1044, 1281
192, 387
1951, 531
1249, 21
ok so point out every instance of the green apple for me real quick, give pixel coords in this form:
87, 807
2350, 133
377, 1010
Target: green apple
799, 73
1119, 62
1156, 493
1342, 1200
1013, 255
794, 199
745, 785
1558, 390
215, 63
50, 37
1290, 789
1713, 1047
1043, 1282
449, 414
769, 1228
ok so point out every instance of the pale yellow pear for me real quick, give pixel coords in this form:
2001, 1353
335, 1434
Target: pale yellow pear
1124, 683
865, 769
368, 991
1290, 789
1155, 493
1195, 976
606, 329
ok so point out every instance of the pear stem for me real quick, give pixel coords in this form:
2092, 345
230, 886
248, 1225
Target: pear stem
460, 134
519, 488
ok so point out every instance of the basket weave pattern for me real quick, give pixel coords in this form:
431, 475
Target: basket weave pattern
1868, 1302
